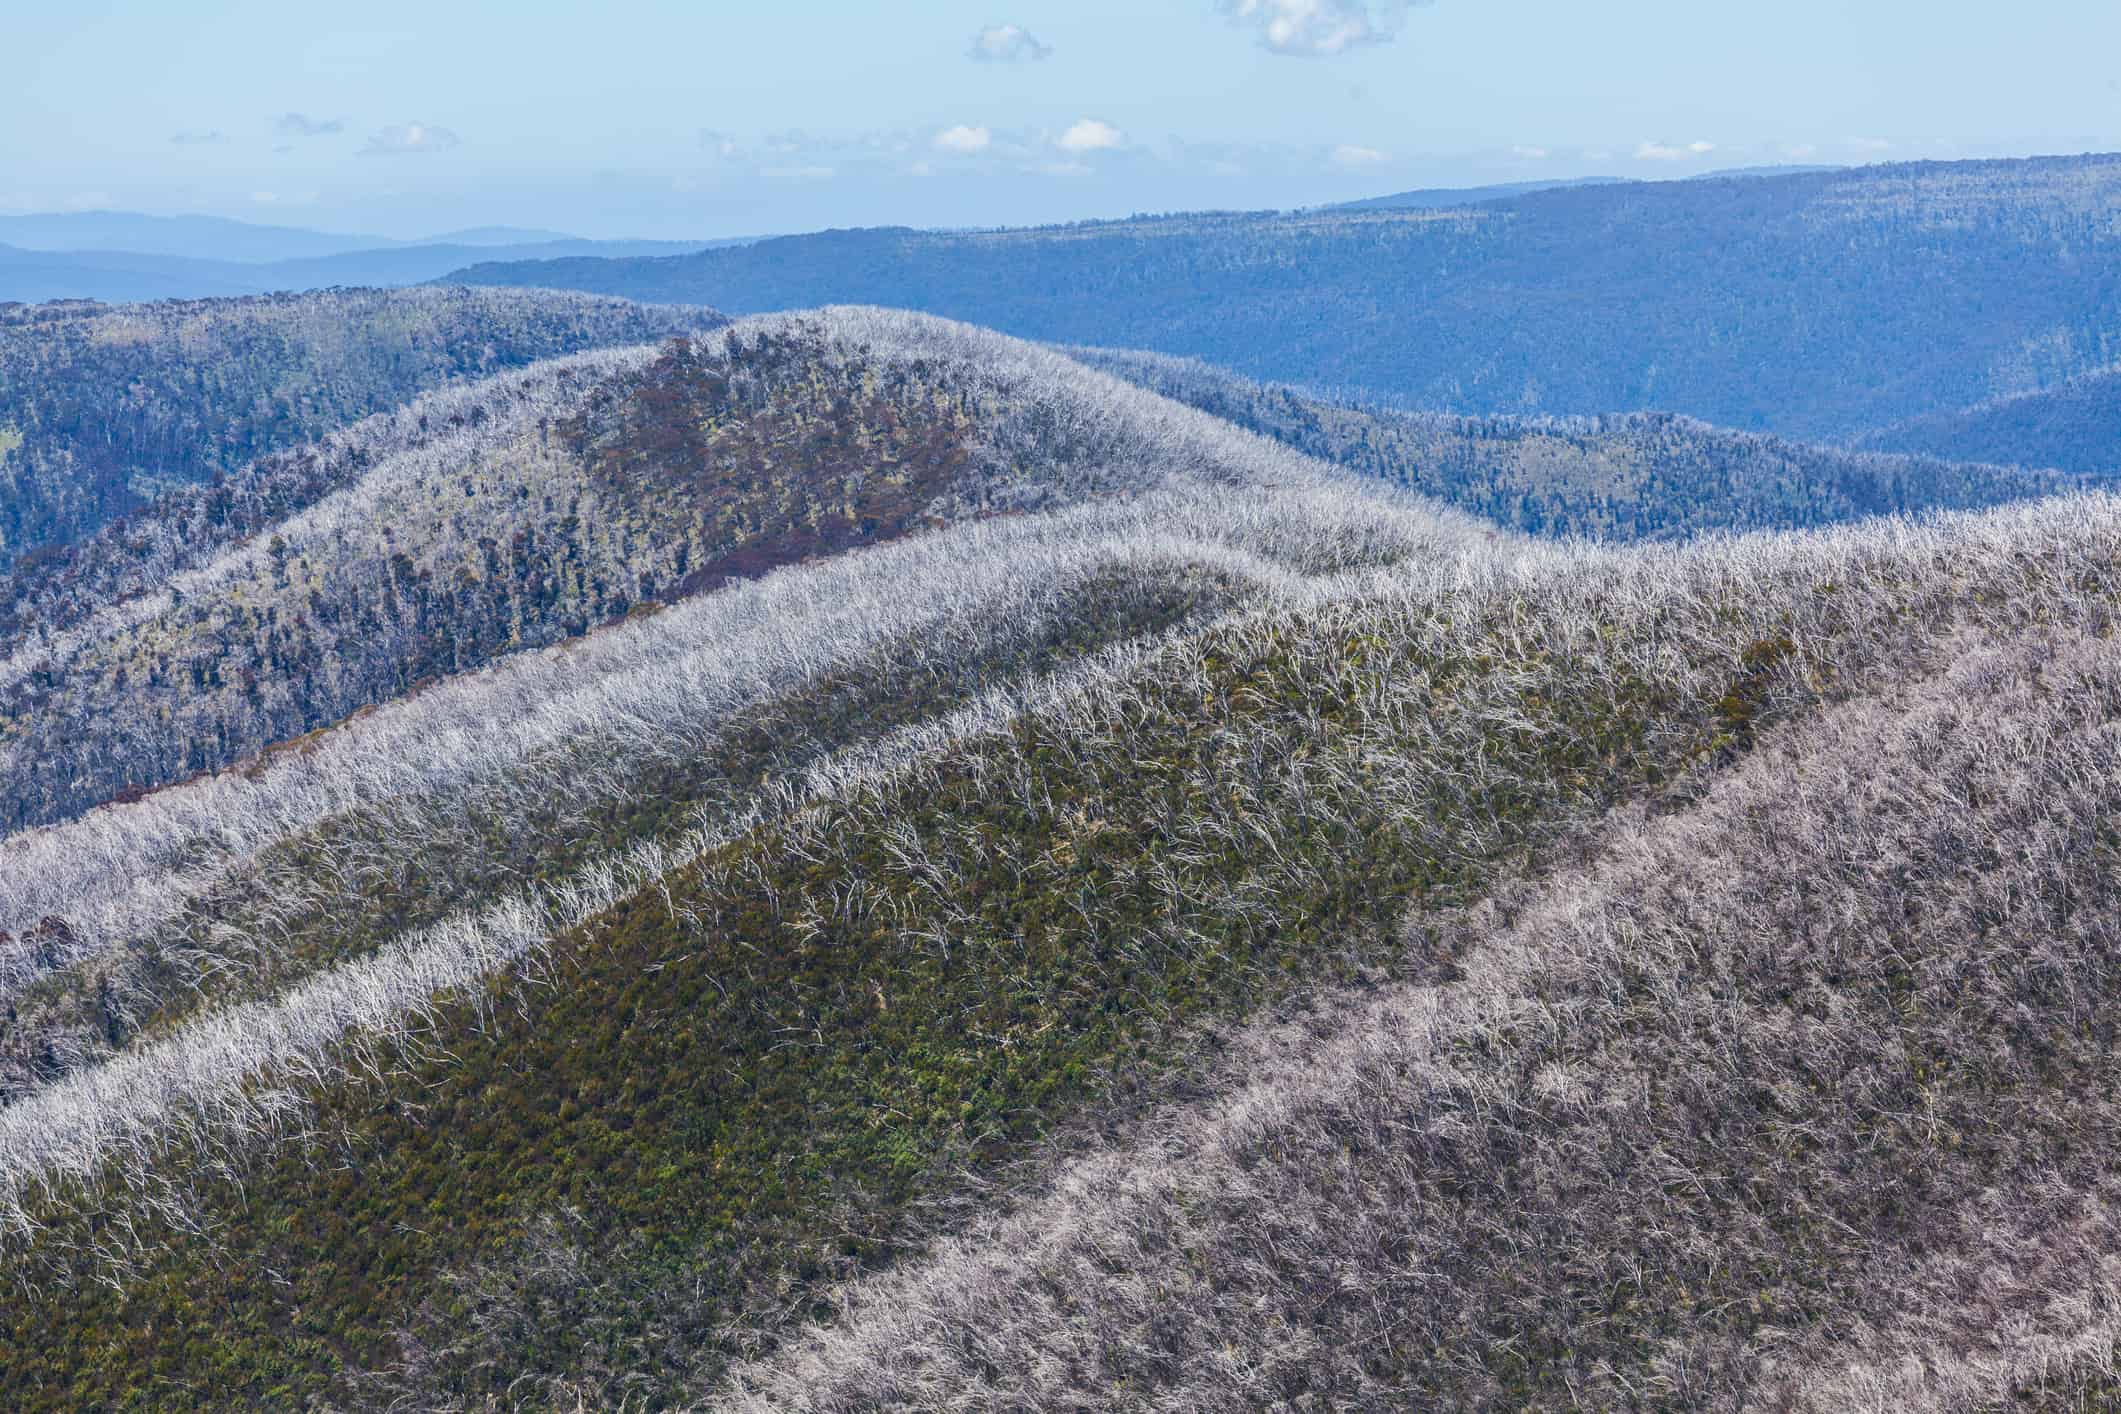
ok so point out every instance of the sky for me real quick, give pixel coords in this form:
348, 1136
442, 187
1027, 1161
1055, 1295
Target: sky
702, 118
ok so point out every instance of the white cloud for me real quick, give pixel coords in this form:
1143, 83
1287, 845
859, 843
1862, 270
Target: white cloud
1350, 156
1090, 135
1008, 44
1800, 150
1066, 169
1531, 154
1662, 152
411, 137
302, 125
1313, 28
198, 139
964, 139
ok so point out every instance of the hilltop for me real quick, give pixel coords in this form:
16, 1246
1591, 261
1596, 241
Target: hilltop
509, 514
1813, 305
124, 256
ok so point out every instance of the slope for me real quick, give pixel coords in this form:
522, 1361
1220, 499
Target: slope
1796, 1097
103, 408
513, 514
597, 1130
1812, 305
671, 731
2075, 426
1636, 476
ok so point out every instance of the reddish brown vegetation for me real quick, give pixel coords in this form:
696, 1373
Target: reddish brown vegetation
766, 463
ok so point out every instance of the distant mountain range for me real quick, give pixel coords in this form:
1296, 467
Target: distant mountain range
2074, 426
123, 256
246, 242
1625, 477
1816, 305
1437, 198
1787, 169
193, 237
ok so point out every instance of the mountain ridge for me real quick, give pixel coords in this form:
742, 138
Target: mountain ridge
223, 239
1433, 198
122, 259
1583, 300
194, 236
1624, 477
2075, 425
576, 491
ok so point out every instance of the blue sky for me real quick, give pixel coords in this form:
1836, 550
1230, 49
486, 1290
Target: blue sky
660, 118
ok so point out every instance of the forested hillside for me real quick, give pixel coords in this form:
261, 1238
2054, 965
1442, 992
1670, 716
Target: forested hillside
882, 867
517, 512
2075, 426
104, 408
1814, 305
1634, 476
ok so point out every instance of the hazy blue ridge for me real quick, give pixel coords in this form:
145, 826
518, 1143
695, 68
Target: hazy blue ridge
1816, 305
119, 275
2075, 427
